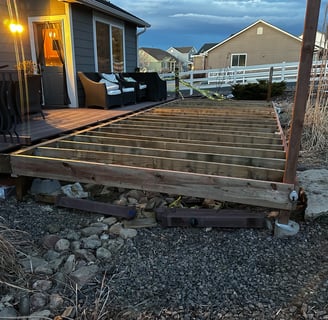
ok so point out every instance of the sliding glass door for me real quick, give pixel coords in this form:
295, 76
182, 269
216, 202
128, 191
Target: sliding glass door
109, 47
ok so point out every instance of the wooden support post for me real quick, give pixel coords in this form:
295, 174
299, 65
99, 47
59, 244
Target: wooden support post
302, 89
22, 184
269, 93
176, 78
301, 96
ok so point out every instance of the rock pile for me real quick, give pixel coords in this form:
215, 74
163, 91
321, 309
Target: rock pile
69, 260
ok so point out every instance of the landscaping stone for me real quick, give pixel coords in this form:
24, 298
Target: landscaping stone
315, 184
84, 274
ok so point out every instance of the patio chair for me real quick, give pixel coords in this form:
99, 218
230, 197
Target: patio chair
128, 88
97, 94
8, 114
140, 87
156, 87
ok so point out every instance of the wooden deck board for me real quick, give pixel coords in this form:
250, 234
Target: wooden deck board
59, 121
224, 152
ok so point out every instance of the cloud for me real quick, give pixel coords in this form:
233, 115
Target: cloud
179, 21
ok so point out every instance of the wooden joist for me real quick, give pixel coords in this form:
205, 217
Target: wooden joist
213, 151
252, 192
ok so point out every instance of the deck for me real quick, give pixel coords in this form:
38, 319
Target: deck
227, 150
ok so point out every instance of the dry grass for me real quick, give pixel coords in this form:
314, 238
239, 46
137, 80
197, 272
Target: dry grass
10, 270
315, 133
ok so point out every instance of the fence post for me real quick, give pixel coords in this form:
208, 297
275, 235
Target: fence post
191, 91
176, 79
270, 84
283, 70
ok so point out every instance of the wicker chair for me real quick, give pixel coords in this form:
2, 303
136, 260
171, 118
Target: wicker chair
96, 93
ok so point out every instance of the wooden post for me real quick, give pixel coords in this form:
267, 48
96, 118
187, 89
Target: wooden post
176, 78
302, 89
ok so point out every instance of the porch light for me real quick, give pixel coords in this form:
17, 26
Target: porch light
16, 28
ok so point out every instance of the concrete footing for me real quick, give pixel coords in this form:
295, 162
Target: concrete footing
285, 230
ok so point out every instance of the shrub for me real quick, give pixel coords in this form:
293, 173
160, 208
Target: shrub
257, 91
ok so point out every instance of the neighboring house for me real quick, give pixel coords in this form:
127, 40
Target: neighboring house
259, 43
184, 55
320, 48
156, 60
64, 37
199, 59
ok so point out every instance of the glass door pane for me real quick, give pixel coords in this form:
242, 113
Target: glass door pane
117, 44
103, 47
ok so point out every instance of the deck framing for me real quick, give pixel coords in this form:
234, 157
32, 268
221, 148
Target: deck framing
226, 151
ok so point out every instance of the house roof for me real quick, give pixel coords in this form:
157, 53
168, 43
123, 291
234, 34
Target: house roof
251, 26
158, 54
183, 49
206, 47
109, 8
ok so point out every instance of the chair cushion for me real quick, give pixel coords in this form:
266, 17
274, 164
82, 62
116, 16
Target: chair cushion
114, 92
110, 77
129, 79
111, 87
128, 89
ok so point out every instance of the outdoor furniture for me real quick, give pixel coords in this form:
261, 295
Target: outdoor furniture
8, 111
105, 92
28, 95
127, 88
140, 87
156, 87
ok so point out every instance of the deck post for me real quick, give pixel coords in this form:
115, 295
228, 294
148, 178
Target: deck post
302, 89
301, 96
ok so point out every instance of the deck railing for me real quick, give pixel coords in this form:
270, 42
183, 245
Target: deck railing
226, 77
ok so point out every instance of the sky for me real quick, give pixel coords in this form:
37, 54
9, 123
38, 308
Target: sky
182, 23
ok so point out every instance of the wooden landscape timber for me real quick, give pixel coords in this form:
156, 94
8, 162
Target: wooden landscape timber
222, 150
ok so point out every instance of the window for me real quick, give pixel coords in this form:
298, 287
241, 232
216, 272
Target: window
238, 60
49, 43
117, 44
259, 31
109, 44
103, 47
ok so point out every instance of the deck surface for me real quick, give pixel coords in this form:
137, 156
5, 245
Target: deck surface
59, 121
223, 150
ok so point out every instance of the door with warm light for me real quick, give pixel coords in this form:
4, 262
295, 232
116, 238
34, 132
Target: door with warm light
50, 54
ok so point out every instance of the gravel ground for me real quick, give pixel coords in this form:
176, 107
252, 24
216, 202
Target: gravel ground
191, 273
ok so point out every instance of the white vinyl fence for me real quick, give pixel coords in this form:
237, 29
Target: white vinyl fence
223, 78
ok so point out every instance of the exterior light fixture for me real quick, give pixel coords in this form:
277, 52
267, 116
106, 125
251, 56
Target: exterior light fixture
16, 28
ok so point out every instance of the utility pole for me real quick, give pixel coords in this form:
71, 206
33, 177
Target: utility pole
302, 89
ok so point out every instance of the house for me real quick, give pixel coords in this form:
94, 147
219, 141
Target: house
199, 57
184, 55
320, 47
66, 36
156, 60
259, 43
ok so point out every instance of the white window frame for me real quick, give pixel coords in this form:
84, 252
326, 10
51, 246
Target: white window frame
238, 54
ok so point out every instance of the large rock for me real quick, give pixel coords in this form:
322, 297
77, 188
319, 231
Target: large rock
84, 274
315, 182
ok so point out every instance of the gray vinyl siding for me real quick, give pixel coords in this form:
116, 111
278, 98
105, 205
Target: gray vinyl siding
131, 51
83, 38
7, 55
82, 24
